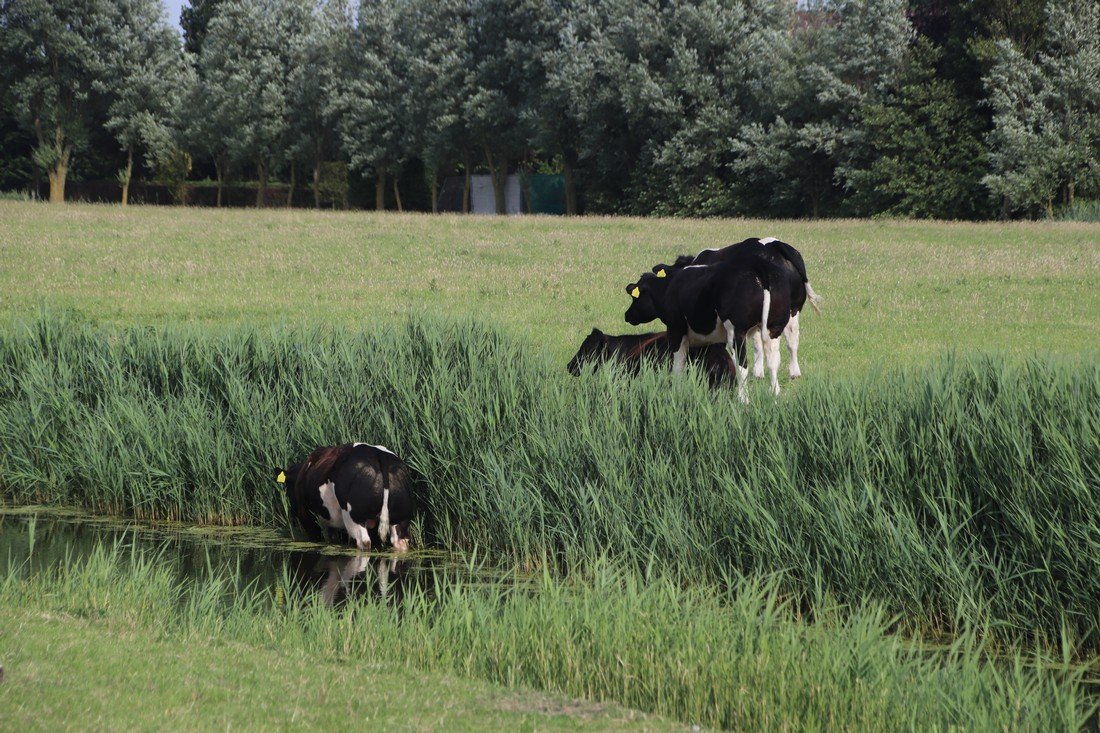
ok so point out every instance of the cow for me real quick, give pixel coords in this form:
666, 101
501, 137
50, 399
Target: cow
724, 302
786, 257
366, 490
631, 349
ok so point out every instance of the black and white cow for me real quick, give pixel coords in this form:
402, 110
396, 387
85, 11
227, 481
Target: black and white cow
720, 303
784, 256
631, 349
365, 490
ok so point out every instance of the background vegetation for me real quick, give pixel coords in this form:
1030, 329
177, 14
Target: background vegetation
946, 109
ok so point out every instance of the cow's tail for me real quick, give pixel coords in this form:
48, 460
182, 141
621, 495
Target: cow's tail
384, 515
814, 298
764, 333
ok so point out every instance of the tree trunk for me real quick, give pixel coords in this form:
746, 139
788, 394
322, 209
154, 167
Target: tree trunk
435, 193
380, 191
293, 180
57, 183
498, 174
569, 163
126, 177
220, 171
1070, 191
317, 183
397, 195
466, 189
261, 190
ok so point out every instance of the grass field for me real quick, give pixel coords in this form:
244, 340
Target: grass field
936, 470
724, 658
895, 291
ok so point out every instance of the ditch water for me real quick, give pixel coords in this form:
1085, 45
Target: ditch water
42, 538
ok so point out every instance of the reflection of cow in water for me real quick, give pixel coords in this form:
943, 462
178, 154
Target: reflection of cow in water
337, 579
366, 490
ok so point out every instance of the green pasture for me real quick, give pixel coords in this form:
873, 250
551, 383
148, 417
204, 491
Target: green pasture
895, 291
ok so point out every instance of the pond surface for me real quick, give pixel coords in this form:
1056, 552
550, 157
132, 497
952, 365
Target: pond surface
40, 538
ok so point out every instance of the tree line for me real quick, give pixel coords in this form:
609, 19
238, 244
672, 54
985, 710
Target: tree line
924, 108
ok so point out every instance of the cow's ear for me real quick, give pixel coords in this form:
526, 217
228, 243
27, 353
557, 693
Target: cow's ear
661, 271
632, 290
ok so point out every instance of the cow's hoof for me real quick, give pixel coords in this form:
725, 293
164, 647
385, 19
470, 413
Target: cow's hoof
795, 374
758, 373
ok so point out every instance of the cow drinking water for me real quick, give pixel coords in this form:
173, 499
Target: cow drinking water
365, 490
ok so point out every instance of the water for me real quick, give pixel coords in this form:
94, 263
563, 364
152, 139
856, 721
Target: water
41, 538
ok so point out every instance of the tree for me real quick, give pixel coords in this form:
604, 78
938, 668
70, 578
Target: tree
143, 77
373, 103
195, 20
437, 55
503, 46
844, 55
922, 155
1045, 141
311, 77
48, 62
243, 66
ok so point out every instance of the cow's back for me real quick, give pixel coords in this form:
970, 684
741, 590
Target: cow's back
363, 477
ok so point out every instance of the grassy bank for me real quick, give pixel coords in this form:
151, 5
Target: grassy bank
895, 291
723, 657
964, 491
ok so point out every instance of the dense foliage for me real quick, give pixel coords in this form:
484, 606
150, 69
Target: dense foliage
946, 109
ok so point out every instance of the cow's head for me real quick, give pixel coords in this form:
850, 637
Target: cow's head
647, 295
592, 347
681, 262
288, 478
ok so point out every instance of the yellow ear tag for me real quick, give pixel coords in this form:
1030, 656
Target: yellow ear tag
281, 478
636, 292
662, 273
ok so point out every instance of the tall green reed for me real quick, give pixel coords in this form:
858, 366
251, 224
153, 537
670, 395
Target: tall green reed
967, 489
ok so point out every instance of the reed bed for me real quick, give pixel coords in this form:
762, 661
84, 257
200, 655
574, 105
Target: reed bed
725, 657
962, 492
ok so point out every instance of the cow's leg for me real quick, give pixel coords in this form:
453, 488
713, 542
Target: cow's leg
790, 333
757, 356
771, 353
399, 543
356, 531
679, 359
735, 345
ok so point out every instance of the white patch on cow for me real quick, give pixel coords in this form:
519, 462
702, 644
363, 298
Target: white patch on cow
716, 336
332, 506
384, 516
815, 299
768, 240
356, 531
696, 267
771, 354
742, 372
771, 346
679, 359
790, 334
379, 447
757, 355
